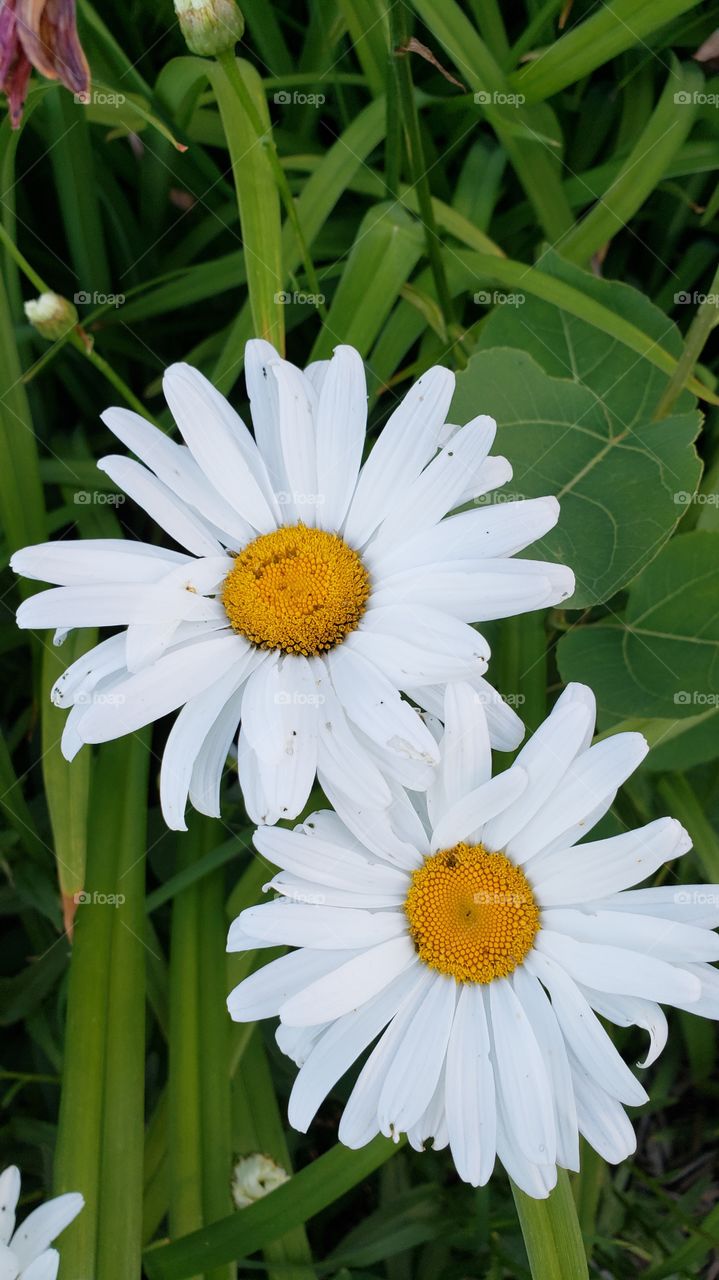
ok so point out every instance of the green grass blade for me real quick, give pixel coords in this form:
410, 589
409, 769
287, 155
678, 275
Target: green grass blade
257, 197
604, 34
644, 168
244, 1232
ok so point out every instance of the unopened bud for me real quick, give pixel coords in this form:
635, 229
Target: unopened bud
210, 27
254, 1177
52, 315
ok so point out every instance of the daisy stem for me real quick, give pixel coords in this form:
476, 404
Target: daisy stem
100, 1129
123, 1131
551, 1233
199, 1090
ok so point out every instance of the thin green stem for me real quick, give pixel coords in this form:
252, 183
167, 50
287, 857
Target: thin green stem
706, 319
399, 36
75, 336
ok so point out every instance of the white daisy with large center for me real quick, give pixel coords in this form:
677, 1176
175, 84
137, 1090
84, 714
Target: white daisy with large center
471, 933
310, 591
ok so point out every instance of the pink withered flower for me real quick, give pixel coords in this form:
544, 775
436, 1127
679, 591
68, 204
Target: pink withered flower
40, 34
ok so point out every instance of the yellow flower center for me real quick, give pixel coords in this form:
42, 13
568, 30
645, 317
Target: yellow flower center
471, 913
296, 589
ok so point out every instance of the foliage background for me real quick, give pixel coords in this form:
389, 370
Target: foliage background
539, 212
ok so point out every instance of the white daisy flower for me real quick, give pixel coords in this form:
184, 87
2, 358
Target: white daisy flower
478, 941
310, 590
24, 1251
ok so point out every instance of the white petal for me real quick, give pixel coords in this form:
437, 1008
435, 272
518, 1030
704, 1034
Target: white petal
619, 971
341, 425
164, 687
111, 606
536, 1180
298, 443
327, 863
295, 924
350, 985
416, 645
99, 560
340, 1046
342, 763
585, 1034
520, 1075
186, 739
469, 1090
265, 407
432, 1123
489, 532
475, 809
165, 508
41, 1226
211, 759
267, 989
696, 904
655, 936
210, 429
628, 1011
373, 828
602, 1120
466, 759
543, 1021
593, 777
315, 892
492, 473
606, 866
45, 1267
406, 443
707, 1005
476, 595
360, 1123
414, 1071
439, 487
546, 758
174, 465
373, 703
9, 1192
